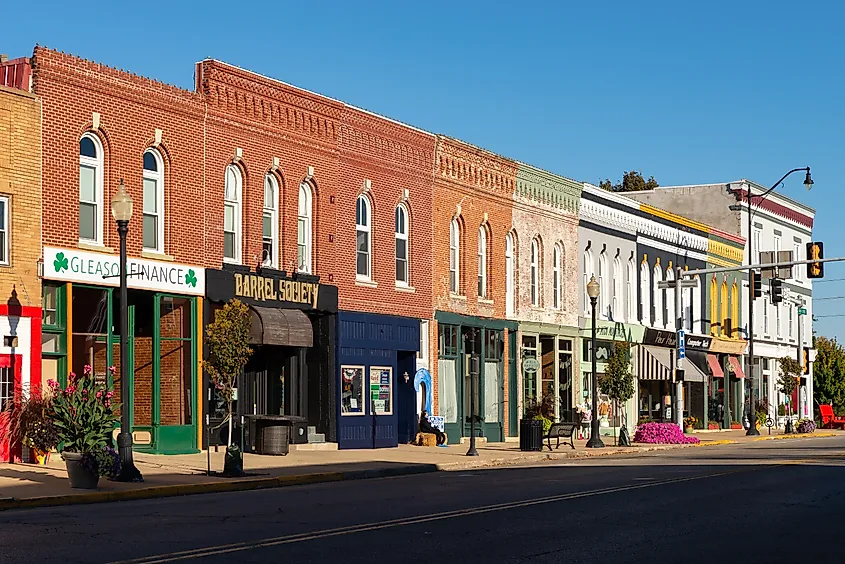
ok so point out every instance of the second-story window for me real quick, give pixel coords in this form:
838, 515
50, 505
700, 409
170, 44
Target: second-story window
270, 223
535, 273
304, 226
482, 262
401, 233
509, 274
454, 256
153, 201
363, 241
232, 215
90, 189
556, 254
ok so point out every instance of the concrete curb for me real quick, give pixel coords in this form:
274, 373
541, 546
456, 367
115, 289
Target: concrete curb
801, 436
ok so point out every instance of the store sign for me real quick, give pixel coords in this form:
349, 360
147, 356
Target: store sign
270, 289
530, 365
71, 265
266, 289
669, 339
603, 350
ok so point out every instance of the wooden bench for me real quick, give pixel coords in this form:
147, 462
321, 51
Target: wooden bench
829, 420
561, 431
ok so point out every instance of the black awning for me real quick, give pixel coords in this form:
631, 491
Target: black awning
284, 327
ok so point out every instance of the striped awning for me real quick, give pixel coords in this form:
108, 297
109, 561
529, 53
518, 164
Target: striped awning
734, 361
715, 369
654, 363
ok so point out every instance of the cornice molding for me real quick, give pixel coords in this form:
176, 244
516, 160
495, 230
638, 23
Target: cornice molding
548, 189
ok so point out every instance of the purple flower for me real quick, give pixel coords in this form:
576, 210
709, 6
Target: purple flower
662, 433
87, 370
53, 385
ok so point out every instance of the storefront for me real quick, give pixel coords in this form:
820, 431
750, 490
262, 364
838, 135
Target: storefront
611, 417
457, 334
547, 360
726, 390
376, 397
655, 368
82, 324
292, 336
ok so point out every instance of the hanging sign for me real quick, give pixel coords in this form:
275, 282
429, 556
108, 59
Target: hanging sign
530, 365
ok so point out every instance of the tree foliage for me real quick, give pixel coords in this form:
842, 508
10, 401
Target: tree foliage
228, 350
829, 374
790, 371
632, 181
617, 381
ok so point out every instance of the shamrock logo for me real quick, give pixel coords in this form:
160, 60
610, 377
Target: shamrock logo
61, 262
190, 279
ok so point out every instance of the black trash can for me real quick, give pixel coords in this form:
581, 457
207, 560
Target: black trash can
530, 434
272, 437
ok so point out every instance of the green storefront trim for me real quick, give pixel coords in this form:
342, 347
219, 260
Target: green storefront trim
450, 318
607, 331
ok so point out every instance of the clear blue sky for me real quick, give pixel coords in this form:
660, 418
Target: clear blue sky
705, 93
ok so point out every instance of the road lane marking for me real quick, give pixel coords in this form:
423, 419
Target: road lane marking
326, 533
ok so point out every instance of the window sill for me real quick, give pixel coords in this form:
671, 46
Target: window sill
366, 283
96, 247
405, 288
231, 261
485, 301
155, 255
457, 296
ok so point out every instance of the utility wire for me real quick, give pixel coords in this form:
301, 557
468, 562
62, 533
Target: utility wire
831, 315
830, 298
829, 280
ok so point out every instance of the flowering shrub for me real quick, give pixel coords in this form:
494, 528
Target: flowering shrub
104, 462
690, 421
806, 426
83, 413
663, 434
27, 420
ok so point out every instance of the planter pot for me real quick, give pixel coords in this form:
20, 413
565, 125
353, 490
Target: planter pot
530, 435
688, 430
42, 457
79, 476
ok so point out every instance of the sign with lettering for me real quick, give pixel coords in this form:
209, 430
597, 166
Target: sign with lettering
72, 265
270, 288
669, 339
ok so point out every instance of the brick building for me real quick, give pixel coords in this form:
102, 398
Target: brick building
20, 237
473, 214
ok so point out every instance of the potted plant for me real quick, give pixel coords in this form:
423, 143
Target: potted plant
30, 424
536, 423
689, 424
85, 417
228, 353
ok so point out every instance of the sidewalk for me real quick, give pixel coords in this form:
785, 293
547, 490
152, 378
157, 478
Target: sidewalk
28, 485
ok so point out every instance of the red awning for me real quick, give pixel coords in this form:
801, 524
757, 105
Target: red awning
715, 369
737, 368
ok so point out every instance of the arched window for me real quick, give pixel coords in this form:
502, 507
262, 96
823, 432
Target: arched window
604, 290
714, 306
723, 303
401, 233
671, 315
698, 322
454, 256
556, 256
588, 272
363, 239
735, 311
232, 215
90, 189
153, 201
616, 311
659, 321
270, 223
535, 273
631, 292
482, 262
509, 274
304, 229
645, 294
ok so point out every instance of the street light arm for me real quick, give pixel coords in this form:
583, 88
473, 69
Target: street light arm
776, 184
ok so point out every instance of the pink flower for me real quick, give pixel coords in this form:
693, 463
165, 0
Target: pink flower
70, 389
112, 369
107, 403
53, 385
109, 395
72, 376
87, 370
100, 394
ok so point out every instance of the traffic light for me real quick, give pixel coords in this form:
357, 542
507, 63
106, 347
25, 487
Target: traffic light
805, 360
776, 290
815, 251
758, 284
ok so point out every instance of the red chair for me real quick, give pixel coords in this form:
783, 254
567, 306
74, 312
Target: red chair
829, 420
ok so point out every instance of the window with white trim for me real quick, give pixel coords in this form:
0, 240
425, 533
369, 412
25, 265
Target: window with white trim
232, 215
696, 308
765, 317
796, 256
645, 294
789, 313
509, 274
401, 231
304, 227
482, 262
556, 256
669, 300
153, 201
657, 315
270, 223
587, 274
535, 273
454, 256
90, 189
363, 238
616, 298
604, 290
631, 292
4, 230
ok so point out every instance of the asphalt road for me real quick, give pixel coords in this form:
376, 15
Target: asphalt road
767, 502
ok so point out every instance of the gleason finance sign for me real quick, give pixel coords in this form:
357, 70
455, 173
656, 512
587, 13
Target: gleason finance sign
71, 265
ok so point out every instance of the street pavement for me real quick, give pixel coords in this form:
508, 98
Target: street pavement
770, 501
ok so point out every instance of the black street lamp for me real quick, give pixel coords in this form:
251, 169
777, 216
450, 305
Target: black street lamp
595, 441
473, 393
808, 183
121, 209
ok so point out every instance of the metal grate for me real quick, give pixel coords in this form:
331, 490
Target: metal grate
7, 387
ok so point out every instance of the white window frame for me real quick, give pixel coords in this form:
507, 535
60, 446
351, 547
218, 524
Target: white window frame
604, 291
454, 257
535, 273
156, 176
305, 215
482, 262
616, 297
556, 256
669, 302
765, 317
365, 227
271, 211
588, 273
97, 164
631, 292
696, 307
796, 256
5, 222
236, 205
657, 301
509, 274
403, 235
791, 325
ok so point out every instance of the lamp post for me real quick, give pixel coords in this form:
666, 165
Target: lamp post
121, 209
473, 394
808, 183
595, 441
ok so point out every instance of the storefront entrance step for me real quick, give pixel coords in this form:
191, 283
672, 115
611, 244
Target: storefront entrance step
311, 447
511, 439
316, 438
478, 440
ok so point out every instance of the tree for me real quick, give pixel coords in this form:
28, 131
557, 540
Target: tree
632, 181
617, 381
228, 351
790, 371
829, 374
